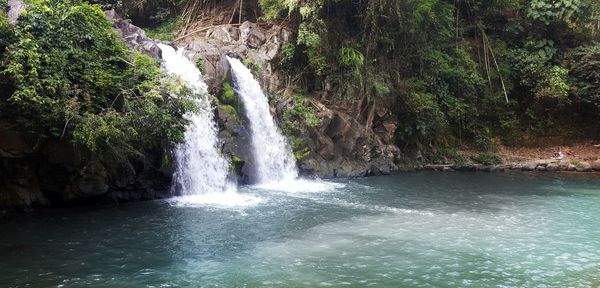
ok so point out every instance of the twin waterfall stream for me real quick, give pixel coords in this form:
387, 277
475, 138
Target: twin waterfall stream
273, 158
202, 172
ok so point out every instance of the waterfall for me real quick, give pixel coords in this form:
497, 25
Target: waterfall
201, 169
273, 158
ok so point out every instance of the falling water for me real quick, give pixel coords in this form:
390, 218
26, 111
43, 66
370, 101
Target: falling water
273, 158
201, 169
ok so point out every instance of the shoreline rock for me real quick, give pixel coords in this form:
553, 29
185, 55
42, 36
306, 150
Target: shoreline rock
530, 166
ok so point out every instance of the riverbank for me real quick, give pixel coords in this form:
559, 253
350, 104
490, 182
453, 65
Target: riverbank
580, 156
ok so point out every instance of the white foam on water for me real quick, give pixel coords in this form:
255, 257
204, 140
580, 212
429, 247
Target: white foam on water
300, 186
227, 199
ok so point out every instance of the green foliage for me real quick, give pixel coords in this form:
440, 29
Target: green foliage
300, 116
472, 71
7, 34
549, 11
381, 89
296, 120
309, 35
253, 66
227, 95
272, 9
228, 109
147, 13
76, 81
165, 31
236, 163
554, 84
585, 72
421, 120
487, 158
350, 57
200, 65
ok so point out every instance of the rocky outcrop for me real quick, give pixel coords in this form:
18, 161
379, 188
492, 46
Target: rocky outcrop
529, 166
343, 147
249, 42
135, 38
38, 172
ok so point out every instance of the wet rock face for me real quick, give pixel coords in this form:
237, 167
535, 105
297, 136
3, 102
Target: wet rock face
135, 38
40, 172
342, 147
249, 42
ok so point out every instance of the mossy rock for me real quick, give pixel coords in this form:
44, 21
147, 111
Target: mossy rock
236, 163
228, 109
227, 95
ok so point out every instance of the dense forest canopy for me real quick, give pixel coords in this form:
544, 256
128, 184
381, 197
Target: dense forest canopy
457, 72
67, 76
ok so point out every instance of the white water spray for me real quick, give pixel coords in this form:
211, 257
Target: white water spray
201, 169
273, 157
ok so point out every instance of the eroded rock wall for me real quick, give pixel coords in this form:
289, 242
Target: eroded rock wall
39, 172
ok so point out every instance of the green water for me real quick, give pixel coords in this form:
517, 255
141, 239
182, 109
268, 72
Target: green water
413, 230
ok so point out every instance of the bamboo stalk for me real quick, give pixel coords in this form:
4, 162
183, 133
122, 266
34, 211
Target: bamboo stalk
241, 9
497, 68
203, 29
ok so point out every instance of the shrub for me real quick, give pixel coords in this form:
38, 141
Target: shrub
227, 95
300, 116
585, 69
76, 81
421, 119
165, 31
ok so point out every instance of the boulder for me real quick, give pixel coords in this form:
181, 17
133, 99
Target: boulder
250, 41
135, 38
563, 166
386, 131
252, 35
447, 169
225, 34
552, 167
516, 166
326, 147
530, 166
383, 160
596, 165
583, 167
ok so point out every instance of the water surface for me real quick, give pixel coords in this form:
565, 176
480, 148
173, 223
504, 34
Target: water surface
412, 230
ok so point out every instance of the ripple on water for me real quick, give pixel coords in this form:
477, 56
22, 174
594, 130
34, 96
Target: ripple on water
300, 186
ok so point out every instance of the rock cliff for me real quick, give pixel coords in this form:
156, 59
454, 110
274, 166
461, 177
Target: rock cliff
339, 147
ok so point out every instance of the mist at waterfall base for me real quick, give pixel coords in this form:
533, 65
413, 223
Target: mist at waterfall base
202, 173
409, 230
